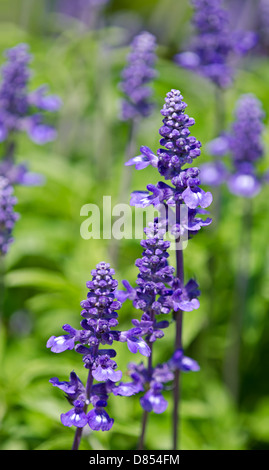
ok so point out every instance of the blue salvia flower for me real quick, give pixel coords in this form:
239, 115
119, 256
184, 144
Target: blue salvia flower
138, 72
157, 292
7, 215
180, 148
244, 143
214, 47
98, 329
21, 110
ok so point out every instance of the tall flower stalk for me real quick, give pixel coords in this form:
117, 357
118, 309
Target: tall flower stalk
99, 312
136, 103
238, 152
179, 148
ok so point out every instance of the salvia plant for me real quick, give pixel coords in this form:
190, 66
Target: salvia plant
98, 329
239, 165
21, 110
214, 46
244, 149
160, 290
136, 77
178, 149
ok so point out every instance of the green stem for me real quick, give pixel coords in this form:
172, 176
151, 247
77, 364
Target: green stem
145, 413
78, 433
178, 317
125, 185
232, 359
2, 287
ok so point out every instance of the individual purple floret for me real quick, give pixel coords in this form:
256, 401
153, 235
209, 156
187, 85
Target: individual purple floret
21, 110
7, 215
99, 312
214, 47
243, 142
136, 76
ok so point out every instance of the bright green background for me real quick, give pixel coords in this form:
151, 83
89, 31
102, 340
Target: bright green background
49, 263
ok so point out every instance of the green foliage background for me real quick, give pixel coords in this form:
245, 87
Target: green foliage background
49, 263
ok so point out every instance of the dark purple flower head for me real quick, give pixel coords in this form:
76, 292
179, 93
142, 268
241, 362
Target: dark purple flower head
136, 76
245, 138
214, 45
19, 109
180, 147
7, 215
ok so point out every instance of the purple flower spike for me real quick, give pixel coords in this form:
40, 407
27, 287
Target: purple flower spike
19, 109
214, 44
7, 215
99, 312
136, 76
243, 142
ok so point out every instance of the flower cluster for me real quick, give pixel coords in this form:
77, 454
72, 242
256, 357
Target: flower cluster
179, 149
136, 75
159, 290
21, 110
99, 319
157, 293
7, 215
214, 46
244, 144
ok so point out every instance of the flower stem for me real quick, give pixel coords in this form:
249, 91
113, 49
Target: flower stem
145, 414
178, 317
125, 185
232, 360
2, 288
78, 433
